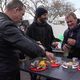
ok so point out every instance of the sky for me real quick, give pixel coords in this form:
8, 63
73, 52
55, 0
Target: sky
75, 2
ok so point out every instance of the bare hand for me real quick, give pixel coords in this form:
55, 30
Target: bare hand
42, 47
66, 47
71, 42
38, 42
50, 55
55, 44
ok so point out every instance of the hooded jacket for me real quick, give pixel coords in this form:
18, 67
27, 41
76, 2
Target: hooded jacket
41, 32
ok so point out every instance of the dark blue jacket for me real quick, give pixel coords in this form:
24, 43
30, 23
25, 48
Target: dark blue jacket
74, 34
11, 38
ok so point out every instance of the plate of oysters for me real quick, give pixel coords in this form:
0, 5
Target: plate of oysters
72, 64
38, 65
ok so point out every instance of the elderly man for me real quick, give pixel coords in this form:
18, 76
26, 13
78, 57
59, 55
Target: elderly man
71, 42
11, 38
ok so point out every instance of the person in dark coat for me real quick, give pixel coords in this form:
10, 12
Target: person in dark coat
11, 38
42, 32
71, 42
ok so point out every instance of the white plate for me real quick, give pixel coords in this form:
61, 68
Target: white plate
73, 66
64, 66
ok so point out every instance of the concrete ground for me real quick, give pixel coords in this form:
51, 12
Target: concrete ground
24, 75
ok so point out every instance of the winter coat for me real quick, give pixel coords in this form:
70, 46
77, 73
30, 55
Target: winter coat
74, 34
11, 38
41, 32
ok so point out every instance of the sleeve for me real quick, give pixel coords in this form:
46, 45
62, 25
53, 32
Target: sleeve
50, 38
65, 38
78, 40
14, 36
51, 35
30, 32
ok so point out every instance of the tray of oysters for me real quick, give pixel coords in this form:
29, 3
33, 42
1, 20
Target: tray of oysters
72, 64
38, 65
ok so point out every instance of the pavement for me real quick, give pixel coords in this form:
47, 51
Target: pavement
24, 75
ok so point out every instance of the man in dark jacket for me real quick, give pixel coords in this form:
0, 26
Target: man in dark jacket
11, 39
71, 42
41, 31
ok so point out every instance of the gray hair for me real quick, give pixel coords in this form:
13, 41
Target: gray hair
15, 4
71, 14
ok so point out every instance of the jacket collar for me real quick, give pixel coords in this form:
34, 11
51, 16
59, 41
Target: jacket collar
40, 24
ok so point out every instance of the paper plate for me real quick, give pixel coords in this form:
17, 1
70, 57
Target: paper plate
55, 65
64, 66
38, 70
78, 68
71, 67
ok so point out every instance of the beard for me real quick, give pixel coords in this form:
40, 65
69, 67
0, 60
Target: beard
43, 20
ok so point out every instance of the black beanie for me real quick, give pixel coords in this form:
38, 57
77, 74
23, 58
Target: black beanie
40, 11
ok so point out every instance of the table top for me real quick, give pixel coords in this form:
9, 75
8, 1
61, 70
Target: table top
59, 73
57, 51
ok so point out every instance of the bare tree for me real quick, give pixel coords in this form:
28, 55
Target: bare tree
59, 8
2, 4
33, 4
55, 7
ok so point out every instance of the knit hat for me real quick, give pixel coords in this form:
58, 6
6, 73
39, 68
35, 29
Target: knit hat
40, 11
